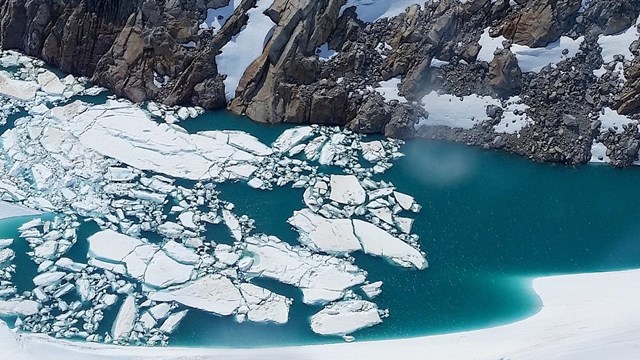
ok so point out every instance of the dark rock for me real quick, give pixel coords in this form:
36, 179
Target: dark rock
504, 74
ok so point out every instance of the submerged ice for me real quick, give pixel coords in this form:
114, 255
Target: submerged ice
139, 180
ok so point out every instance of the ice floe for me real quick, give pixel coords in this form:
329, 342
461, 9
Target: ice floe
345, 317
117, 166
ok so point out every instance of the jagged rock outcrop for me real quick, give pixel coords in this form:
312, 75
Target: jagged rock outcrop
505, 77
156, 50
129, 46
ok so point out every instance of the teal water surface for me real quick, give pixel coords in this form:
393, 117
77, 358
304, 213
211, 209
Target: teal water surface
490, 221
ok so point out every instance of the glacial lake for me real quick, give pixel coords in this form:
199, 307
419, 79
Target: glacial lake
490, 221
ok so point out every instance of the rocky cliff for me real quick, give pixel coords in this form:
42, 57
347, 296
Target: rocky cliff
326, 61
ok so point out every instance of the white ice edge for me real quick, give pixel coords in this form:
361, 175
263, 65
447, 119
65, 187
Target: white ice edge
583, 316
9, 210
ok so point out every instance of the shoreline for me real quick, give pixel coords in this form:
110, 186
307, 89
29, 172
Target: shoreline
583, 316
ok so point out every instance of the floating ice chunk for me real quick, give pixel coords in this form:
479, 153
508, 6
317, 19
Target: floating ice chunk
346, 189
322, 278
180, 253
255, 183
160, 311
404, 224
384, 214
148, 322
172, 322
49, 278
17, 307
125, 132
212, 293
108, 245
145, 262
376, 241
248, 143
17, 89
405, 201
125, 319
6, 255
186, 219
232, 223
292, 137
264, 305
372, 151
345, 317
120, 174
170, 229
225, 254
50, 83
372, 290
163, 271
42, 175
321, 234
5, 243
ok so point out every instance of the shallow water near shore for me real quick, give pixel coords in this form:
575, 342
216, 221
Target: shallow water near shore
490, 221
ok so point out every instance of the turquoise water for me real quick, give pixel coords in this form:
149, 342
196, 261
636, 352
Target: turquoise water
489, 222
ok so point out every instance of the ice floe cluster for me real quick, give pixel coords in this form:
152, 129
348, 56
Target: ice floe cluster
146, 193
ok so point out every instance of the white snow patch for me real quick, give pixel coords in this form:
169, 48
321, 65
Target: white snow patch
245, 47
389, 89
618, 44
611, 119
216, 18
456, 112
373, 10
530, 59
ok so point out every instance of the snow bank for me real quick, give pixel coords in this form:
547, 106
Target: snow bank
456, 112
583, 317
245, 47
611, 119
216, 18
389, 89
618, 44
372, 10
530, 59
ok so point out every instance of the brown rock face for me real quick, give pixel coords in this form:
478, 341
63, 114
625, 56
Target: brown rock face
540, 22
288, 65
505, 76
630, 100
120, 44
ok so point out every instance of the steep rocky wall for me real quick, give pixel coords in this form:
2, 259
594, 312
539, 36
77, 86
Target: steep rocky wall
154, 50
